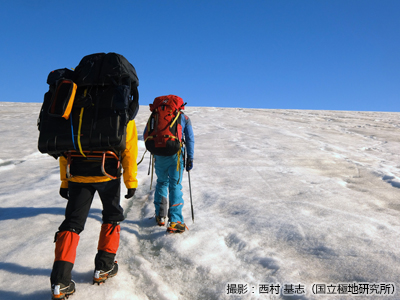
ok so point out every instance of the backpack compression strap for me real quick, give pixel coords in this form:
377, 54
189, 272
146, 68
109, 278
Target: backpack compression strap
80, 127
176, 118
79, 132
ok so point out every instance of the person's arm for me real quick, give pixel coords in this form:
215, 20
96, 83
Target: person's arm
189, 137
63, 172
63, 176
129, 156
189, 141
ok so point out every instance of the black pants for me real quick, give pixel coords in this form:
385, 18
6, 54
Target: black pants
77, 210
81, 197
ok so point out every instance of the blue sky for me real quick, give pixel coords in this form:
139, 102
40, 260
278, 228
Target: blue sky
285, 54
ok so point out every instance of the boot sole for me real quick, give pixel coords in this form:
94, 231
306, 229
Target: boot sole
66, 296
102, 280
171, 231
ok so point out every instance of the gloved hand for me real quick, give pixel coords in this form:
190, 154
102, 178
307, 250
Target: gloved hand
130, 193
189, 164
64, 193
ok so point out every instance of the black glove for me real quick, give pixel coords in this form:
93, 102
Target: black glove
130, 194
189, 164
64, 193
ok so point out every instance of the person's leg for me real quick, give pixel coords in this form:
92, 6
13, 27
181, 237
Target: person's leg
110, 197
161, 192
67, 238
175, 190
109, 193
65, 254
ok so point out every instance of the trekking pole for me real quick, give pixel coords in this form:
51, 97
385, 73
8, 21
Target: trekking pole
152, 170
191, 201
142, 158
190, 186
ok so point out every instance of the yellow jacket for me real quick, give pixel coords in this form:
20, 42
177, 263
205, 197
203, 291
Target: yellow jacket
129, 165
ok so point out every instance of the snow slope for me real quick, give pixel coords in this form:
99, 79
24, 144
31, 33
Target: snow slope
280, 197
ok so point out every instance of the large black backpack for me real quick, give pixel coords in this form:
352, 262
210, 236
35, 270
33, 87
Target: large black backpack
86, 110
102, 96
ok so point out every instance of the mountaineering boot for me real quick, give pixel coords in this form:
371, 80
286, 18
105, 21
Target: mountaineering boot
101, 276
61, 291
176, 227
160, 221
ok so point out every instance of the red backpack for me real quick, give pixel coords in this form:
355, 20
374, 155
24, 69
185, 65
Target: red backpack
163, 135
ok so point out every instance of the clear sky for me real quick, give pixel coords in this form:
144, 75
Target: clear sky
286, 54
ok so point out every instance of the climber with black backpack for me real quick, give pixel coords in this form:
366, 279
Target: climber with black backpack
169, 137
87, 121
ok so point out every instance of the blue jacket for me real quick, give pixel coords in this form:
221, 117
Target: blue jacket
187, 133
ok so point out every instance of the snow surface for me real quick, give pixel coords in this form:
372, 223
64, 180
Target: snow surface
280, 197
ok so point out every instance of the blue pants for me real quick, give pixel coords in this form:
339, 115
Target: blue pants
169, 186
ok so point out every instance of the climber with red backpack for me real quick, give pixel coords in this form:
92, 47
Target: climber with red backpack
169, 137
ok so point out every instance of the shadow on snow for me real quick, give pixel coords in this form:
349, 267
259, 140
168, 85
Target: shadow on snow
42, 293
14, 213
